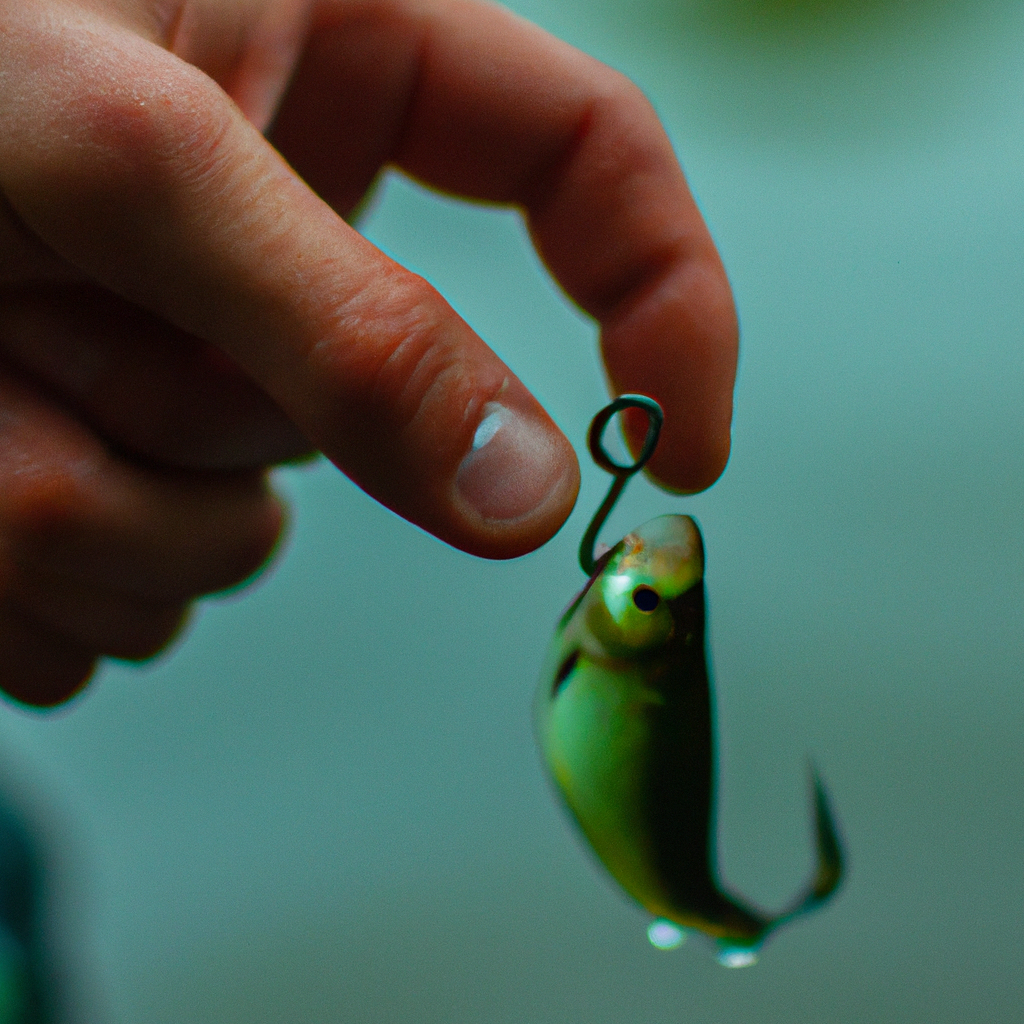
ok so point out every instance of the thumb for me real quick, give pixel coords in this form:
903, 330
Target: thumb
138, 170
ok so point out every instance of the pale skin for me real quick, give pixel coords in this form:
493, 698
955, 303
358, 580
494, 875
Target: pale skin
183, 305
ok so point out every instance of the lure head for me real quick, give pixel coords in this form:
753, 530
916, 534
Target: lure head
627, 608
628, 613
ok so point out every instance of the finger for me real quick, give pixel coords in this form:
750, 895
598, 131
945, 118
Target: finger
24, 257
154, 391
112, 624
343, 114
40, 667
69, 508
476, 101
146, 176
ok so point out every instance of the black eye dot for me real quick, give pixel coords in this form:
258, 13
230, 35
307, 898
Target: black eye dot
564, 672
646, 599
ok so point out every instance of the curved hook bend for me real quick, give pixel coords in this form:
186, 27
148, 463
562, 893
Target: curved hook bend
595, 442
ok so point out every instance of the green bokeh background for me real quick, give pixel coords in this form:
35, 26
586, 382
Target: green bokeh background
325, 806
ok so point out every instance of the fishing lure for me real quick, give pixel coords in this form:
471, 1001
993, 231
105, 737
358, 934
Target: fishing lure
625, 721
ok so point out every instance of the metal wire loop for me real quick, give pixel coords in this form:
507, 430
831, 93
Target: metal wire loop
595, 436
655, 418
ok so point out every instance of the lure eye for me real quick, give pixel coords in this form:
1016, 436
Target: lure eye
646, 599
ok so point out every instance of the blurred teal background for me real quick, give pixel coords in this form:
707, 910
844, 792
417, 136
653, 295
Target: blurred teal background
326, 805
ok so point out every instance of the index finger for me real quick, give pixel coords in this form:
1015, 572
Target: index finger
476, 101
136, 169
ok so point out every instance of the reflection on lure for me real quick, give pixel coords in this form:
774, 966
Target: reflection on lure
625, 722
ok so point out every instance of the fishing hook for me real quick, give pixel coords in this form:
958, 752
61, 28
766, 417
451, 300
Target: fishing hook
595, 442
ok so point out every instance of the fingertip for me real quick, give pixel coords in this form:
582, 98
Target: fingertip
39, 693
258, 537
678, 343
41, 670
435, 426
692, 453
270, 529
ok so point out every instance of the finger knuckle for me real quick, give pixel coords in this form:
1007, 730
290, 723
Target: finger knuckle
628, 130
397, 353
135, 123
420, 376
43, 508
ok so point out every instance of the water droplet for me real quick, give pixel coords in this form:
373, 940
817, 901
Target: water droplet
736, 956
665, 935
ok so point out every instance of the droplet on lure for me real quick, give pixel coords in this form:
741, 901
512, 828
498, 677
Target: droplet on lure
665, 935
736, 956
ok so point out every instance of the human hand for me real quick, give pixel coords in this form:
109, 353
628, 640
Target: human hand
180, 307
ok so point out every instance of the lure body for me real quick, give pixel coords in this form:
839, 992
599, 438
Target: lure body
626, 727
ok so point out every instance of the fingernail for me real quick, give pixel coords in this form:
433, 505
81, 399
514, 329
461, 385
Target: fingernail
512, 466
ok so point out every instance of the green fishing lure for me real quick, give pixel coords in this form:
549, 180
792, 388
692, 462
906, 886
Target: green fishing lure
625, 719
